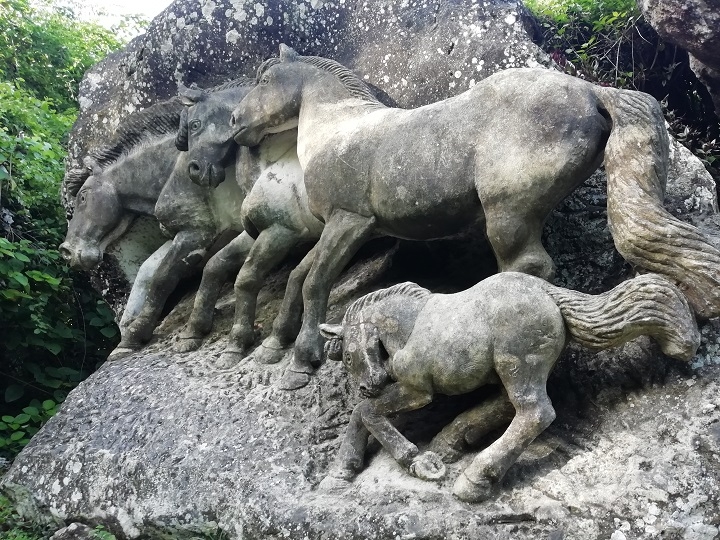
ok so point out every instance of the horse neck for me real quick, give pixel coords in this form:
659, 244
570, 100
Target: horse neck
324, 102
142, 174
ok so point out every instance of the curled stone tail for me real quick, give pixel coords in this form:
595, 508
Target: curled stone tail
645, 305
644, 232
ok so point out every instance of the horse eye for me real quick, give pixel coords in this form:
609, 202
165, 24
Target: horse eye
265, 79
82, 197
195, 125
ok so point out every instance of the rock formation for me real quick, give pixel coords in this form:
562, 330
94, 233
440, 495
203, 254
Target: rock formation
161, 444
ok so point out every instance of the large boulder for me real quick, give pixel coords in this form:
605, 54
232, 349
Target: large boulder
693, 25
164, 445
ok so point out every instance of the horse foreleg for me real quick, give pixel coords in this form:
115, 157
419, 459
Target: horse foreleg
270, 248
225, 263
343, 235
524, 379
351, 456
468, 427
289, 318
398, 398
178, 261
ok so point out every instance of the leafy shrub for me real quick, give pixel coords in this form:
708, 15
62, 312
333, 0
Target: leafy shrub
56, 329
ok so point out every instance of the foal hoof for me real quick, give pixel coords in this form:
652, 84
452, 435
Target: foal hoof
427, 466
187, 344
293, 380
333, 484
230, 358
470, 491
267, 355
120, 352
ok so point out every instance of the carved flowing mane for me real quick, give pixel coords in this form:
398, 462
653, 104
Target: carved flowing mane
407, 289
352, 82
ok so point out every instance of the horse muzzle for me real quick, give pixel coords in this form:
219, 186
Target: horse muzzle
86, 258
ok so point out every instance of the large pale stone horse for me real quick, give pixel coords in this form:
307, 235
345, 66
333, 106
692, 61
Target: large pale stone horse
402, 345
499, 156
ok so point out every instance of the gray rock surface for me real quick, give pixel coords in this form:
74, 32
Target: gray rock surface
695, 26
163, 445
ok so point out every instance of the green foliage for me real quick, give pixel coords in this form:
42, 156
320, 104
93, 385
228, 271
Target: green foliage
55, 329
49, 50
12, 526
595, 39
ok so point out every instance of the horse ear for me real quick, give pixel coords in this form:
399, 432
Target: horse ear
332, 331
190, 96
287, 54
92, 165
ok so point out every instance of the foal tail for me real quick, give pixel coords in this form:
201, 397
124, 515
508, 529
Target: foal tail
645, 305
644, 233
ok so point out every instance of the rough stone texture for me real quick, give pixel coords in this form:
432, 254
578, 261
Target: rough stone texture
164, 444
419, 51
695, 26
168, 446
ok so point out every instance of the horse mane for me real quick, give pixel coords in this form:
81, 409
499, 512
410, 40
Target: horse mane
160, 119
407, 289
352, 82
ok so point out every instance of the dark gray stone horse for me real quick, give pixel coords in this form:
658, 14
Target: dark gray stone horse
499, 156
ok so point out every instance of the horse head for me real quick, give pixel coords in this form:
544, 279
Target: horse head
274, 104
206, 135
98, 219
363, 354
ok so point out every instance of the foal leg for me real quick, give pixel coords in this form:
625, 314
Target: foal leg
271, 246
289, 319
351, 456
217, 271
525, 379
468, 427
343, 235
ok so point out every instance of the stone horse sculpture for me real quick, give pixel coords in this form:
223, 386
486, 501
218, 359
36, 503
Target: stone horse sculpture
499, 156
274, 215
141, 171
402, 345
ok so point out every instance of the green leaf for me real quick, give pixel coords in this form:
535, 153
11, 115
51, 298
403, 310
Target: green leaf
17, 435
20, 278
14, 392
22, 418
32, 411
108, 331
8, 419
54, 348
48, 404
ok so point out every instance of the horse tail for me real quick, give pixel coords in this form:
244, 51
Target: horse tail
645, 305
644, 232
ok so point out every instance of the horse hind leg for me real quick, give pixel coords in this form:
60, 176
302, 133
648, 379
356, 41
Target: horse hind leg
515, 238
524, 379
468, 427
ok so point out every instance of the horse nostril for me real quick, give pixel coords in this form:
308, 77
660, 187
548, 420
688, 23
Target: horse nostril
65, 253
232, 120
194, 168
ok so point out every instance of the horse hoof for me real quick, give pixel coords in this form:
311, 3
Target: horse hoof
188, 344
427, 466
267, 355
120, 352
293, 380
469, 491
229, 358
333, 484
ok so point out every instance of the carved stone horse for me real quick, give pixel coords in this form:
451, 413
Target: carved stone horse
499, 156
274, 215
402, 345
141, 171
